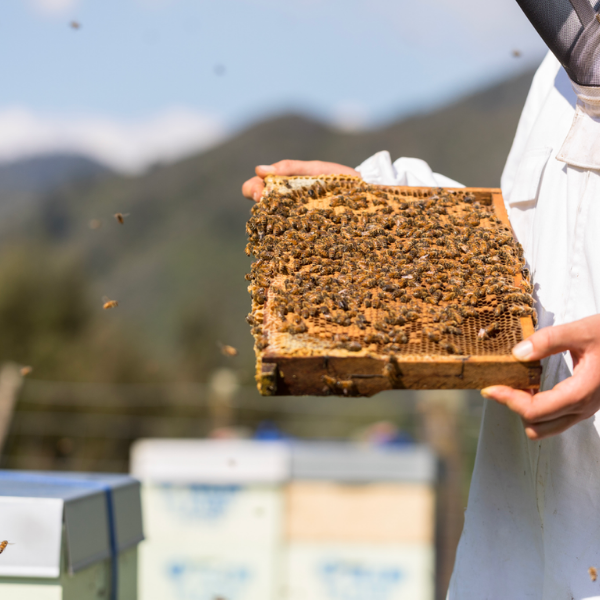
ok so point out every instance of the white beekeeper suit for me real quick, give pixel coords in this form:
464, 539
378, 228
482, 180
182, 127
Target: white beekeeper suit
532, 526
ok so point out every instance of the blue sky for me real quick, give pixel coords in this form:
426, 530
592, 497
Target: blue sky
148, 79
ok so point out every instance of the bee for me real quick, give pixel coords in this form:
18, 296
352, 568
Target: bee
391, 370
347, 387
120, 217
4, 544
400, 338
593, 573
75, 25
262, 342
228, 350
452, 330
486, 332
450, 348
26, 371
499, 310
524, 298
108, 303
433, 335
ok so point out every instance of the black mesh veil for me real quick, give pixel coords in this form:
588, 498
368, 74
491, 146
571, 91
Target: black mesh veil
571, 29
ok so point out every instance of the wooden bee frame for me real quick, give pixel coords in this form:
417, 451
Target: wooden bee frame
304, 365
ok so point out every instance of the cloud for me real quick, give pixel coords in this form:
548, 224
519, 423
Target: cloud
54, 6
126, 145
350, 117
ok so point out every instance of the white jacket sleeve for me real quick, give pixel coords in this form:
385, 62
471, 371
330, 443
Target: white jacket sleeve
542, 83
379, 170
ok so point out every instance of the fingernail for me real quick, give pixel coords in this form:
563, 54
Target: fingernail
268, 168
256, 196
487, 392
523, 350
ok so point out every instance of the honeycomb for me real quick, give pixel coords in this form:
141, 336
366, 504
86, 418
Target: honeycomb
344, 268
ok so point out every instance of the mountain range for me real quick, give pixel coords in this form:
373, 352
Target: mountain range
176, 265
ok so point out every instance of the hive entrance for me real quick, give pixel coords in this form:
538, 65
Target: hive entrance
348, 269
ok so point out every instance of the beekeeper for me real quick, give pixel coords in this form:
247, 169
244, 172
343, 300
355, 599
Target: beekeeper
532, 526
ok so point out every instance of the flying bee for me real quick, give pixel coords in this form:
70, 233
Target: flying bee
26, 371
108, 303
4, 544
120, 217
228, 350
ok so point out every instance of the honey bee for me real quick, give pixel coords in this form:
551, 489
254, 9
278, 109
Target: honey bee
347, 387
75, 25
593, 572
120, 217
433, 335
519, 311
228, 350
450, 348
4, 544
486, 332
26, 371
262, 342
108, 303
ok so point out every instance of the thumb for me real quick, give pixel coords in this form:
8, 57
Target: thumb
548, 341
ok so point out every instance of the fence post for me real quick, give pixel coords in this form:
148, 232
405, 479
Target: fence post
11, 382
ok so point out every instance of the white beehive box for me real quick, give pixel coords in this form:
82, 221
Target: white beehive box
74, 536
183, 569
360, 523
214, 515
325, 571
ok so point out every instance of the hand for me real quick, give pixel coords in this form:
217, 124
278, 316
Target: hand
253, 188
573, 400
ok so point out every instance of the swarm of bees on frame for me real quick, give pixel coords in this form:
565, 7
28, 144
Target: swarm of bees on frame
362, 268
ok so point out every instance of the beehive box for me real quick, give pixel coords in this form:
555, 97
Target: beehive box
341, 493
359, 572
73, 536
358, 289
213, 511
186, 569
360, 523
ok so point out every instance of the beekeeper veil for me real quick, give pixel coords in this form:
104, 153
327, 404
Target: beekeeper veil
571, 29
